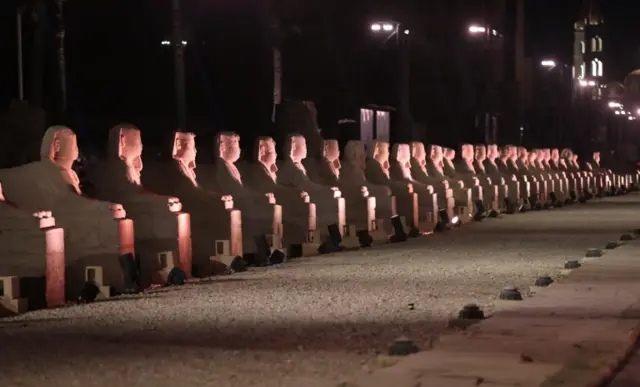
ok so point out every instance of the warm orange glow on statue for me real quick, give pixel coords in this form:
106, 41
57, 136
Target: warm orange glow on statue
129, 145
331, 154
60, 146
184, 152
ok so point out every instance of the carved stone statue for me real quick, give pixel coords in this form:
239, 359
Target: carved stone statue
213, 216
445, 194
352, 178
495, 185
261, 214
360, 207
299, 214
400, 170
377, 172
465, 171
328, 200
160, 223
92, 236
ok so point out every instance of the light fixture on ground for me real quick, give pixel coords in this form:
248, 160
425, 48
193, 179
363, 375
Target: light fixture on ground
471, 312
569, 265
510, 293
176, 277
399, 235
443, 220
402, 346
479, 215
89, 293
364, 238
612, 245
544, 281
594, 253
332, 244
130, 265
238, 265
627, 237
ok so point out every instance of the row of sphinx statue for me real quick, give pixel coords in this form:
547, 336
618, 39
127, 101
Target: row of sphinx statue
211, 212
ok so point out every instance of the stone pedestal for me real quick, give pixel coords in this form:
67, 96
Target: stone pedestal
10, 301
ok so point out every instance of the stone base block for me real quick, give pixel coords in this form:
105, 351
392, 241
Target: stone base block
350, 242
10, 307
310, 249
224, 259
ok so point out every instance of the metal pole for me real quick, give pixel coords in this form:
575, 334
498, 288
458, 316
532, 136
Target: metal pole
178, 57
20, 59
404, 108
62, 66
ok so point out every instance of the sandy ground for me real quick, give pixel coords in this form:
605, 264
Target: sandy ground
314, 322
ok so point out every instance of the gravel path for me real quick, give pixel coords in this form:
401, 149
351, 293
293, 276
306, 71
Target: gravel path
311, 323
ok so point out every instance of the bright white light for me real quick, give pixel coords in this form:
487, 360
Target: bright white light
617, 112
583, 83
455, 220
548, 63
494, 32
638, 112
387, 27
476, 29
166, 43
631, 118
376, 27
407, 32
592, 83
615, 105
184, 42
623, 112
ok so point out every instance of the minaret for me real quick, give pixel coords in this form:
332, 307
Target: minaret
588, 54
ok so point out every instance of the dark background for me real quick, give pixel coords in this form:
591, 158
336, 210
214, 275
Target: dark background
118, 70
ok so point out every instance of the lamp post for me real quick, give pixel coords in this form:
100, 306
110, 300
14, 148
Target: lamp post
178, 64
392, 29
62, 62
485, 99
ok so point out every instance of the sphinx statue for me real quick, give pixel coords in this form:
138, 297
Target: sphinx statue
516, 162
95, 231
328, 199
360, 205
496, 168
444, 192
261, 213
377, 172
561, 181
600, 176
495, 183
482, 189
440, 166
42, 256
537, 166
529, 162
353, 177
213, 216
160, 223
400, 170
299, 214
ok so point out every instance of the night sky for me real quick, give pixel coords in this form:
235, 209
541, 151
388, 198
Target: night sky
119, 71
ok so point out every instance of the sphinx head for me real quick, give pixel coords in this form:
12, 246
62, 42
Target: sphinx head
229, 147
381, 153
480, 153
467, 152
60, 145
184, 149
418, 152
403, 154
125, 143
297, 147
267, 154
566, 153
596, 157
331, 150
449, 154
492, 152
555, 154
532, 156
355, 154
547, 154
523, 153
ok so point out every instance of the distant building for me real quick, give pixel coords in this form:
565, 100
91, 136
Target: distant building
589, 70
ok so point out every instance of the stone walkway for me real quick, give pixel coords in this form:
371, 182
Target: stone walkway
572, 333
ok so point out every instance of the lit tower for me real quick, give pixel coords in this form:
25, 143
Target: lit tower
588, 55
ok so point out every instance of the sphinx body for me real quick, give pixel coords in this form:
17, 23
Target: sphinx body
483, 188
330, 204
299, 212
261, 213
326, 171
377, 173
520, 158
213, 216
353, 178
495, 183
601, 176
160, 224
447, 197
400, 170
496, 168
439, 165
92, 236
537, 165
560, 181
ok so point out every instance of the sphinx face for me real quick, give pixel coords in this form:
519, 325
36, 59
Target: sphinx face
229, 147
596, 157
331, 150
467, 152
65, 148
436, 153
417, 148
532, 157
555, 154
492, 152
381, 154
450, 154
480, 153
404, 155
298, 148
130, 144
268, 154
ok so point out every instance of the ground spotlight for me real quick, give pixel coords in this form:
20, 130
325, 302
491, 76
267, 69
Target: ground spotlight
89, 292
364, 238
130, 265
331, 245
399, 235
479, 215
238, 265
443, 220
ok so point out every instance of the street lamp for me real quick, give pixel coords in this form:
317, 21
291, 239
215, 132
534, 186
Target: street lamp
615, 105
548, 63
476, 29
